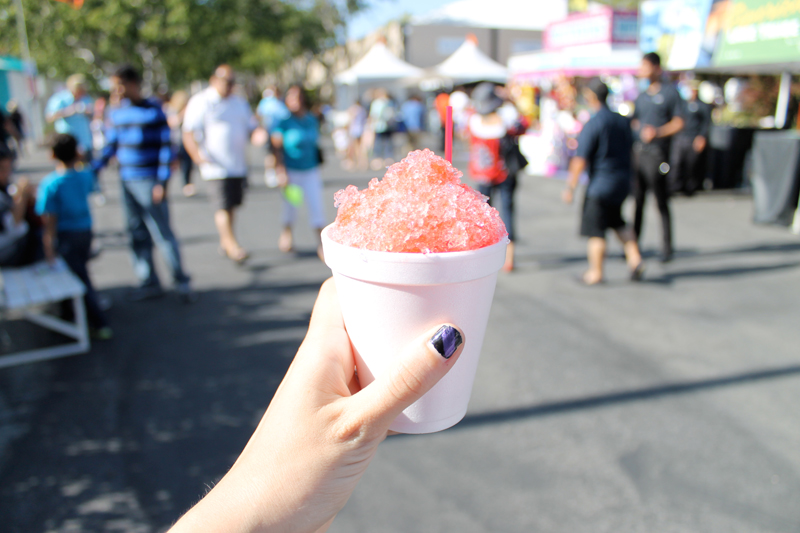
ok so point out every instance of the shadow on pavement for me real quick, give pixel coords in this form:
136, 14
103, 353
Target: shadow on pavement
670, 277
137, 430
616, 398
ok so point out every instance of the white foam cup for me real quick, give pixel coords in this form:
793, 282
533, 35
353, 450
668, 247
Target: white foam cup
388, 299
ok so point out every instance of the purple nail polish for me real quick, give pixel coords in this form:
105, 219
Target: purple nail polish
446, 340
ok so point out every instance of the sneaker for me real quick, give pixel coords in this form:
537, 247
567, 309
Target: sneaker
100, 199
185, 293
101, 334
146, 293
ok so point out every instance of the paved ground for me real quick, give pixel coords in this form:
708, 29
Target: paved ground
669, 406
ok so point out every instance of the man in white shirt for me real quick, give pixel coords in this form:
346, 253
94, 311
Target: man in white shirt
217, 126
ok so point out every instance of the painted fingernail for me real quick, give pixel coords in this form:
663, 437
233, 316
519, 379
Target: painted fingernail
446, 340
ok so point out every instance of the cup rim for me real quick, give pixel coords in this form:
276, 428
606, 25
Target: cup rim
407, 268
412, 257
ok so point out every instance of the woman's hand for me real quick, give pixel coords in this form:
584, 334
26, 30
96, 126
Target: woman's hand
319, 433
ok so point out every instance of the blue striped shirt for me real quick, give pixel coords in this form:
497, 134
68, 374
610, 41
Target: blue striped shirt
140, 138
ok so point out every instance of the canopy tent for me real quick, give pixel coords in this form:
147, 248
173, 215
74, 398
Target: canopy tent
378, 68
377, 65
469, 64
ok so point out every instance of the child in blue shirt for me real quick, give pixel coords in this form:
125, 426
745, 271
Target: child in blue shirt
62, 201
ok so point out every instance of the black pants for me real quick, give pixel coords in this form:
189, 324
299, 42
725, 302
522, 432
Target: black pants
74, 247
648, 175
687, 168
186, 163
506, 188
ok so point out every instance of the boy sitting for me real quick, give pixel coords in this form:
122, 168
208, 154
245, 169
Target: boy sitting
63, 203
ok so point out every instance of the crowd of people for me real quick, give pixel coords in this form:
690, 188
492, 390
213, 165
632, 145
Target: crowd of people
148, 138
212, 129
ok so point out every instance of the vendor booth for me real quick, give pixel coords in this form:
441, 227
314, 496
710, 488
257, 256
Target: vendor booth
601, 42
744, 45
378, 68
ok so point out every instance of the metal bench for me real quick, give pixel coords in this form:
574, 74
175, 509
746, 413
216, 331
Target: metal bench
25, 291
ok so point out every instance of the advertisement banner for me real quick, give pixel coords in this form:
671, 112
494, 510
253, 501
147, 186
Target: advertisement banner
758, 32
678, 31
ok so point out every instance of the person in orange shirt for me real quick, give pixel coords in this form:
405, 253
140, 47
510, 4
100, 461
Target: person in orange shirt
441, 102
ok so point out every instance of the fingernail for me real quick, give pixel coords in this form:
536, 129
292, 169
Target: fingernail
446, 340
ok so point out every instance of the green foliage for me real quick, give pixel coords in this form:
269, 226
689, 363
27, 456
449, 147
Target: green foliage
173, 41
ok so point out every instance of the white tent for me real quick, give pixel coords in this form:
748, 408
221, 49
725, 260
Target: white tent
378, 68
469, 64
377, 65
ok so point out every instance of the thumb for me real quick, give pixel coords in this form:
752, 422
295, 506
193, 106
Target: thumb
420, 366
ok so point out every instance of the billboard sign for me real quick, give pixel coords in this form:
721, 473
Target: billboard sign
758, 32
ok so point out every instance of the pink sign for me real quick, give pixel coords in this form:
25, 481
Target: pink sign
604, 26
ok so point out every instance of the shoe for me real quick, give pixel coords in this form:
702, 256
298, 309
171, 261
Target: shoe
189, 190
101, 334
582, 281
185, 293
146, 293
638, 273
240, 257
100, 199
665, 257
286, 241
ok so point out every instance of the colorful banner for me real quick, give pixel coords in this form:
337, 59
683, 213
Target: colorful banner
758, 32
677, 31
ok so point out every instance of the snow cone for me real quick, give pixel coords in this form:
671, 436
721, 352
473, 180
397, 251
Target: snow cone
412, 251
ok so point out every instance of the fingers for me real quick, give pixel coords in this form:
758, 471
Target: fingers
420, 366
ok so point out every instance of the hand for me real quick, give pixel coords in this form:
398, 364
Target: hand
647, 134
567, 195
259, 137
283, 179
158, 193
699, 144
318, 435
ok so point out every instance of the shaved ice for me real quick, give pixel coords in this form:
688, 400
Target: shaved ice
420, 206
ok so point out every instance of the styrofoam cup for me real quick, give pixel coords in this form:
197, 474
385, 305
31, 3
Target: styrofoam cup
388, 299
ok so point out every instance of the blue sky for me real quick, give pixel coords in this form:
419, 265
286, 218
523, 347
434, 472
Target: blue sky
382, 11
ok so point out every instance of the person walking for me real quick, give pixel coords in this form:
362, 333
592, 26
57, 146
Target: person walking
656, 119
382, 118
295, 140
139, 136
217, 127
689, 149
491, 164
175, 110
413, 114
62, 200
270, 111
604, 150
70, 111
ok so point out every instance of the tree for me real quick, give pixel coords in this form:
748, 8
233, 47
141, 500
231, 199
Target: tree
173, 41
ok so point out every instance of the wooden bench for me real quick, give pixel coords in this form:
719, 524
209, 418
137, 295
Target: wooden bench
25, 291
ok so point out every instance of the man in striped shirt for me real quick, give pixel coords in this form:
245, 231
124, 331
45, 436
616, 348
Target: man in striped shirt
139, 137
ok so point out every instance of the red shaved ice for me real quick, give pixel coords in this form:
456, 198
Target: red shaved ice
420, 206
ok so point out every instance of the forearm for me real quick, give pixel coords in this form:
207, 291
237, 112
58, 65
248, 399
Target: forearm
670, 128
191, 146
49, 236
576, 168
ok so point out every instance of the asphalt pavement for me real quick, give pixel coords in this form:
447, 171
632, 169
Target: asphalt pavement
664, 406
